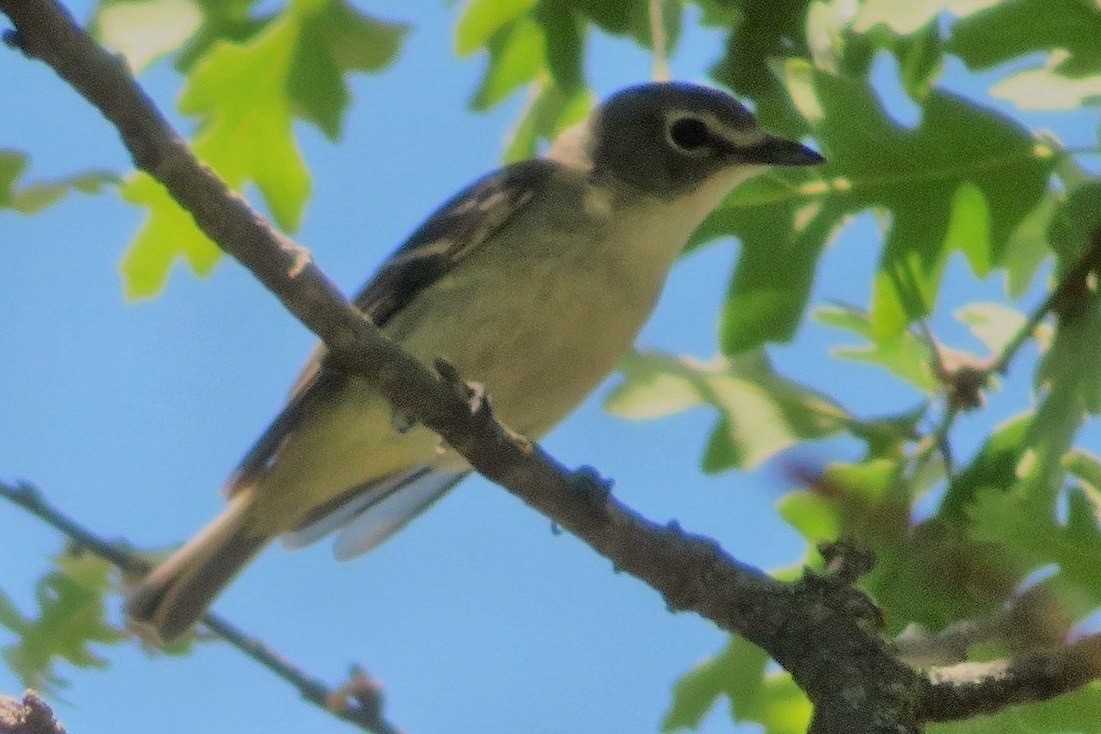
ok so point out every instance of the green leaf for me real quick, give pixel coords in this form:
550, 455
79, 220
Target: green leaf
31, 198
921, 60
738, 673
247, 95
549, 113
1086, 467
145, 30
943, 190
1027, 246
1072, 713
761, 412
222, 20
1013, 28
783, 228
815, 516
565, 44
1030, 535
899, 16
764, 33
334, 40
902, 354
167, 234
515, 59
246, 135
482, 19
1073, 223
71, 616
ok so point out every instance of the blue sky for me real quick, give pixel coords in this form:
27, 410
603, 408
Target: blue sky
477, 617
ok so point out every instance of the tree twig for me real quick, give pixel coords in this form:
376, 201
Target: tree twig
32, 715
1059, 300
821, 629
970, 689
362, 710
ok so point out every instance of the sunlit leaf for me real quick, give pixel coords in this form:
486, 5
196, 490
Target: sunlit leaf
739, 674
918, 176
993, 324
903, 354
760, 411
144, 30
247, 95
481, 19
1046, 89
70, 618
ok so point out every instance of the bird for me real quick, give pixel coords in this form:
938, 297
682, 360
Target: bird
532, 282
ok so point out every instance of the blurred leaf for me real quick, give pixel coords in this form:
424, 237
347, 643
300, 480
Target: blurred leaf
515, 59
632, 18
783, 228
1085, 466
1013, 28
145, 30
995, 465
943, 190
222, 20
333, 41
899, 16
738, 673
482, 19
31, 198
247, 95
1027, 246
760, 411
764, 33
992, 323
902, 354
1046, 89
1030, 534
71, 615
168, 233
550, 112
814, 515
564, 34
1073, 713
920, 60
1074, 222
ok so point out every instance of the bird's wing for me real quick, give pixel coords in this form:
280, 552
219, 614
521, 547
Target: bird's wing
455, 230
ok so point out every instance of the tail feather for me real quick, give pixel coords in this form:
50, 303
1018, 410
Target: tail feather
177, 593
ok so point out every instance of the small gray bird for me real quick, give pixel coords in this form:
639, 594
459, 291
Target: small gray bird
533, 281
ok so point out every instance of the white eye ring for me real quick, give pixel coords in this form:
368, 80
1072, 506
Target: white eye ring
689, 134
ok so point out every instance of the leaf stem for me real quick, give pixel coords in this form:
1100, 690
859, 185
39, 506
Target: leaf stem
1071, 283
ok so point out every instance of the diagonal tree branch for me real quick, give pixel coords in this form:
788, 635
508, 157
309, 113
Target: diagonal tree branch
821, 629
358, 702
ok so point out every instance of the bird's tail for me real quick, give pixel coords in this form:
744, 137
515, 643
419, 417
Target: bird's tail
177, 593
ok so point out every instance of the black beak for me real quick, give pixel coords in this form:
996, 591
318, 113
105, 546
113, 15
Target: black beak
774, 151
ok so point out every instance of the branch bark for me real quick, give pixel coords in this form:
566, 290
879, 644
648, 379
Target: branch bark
358, 701
821, 629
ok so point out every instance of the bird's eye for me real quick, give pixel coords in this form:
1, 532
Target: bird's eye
690, 134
